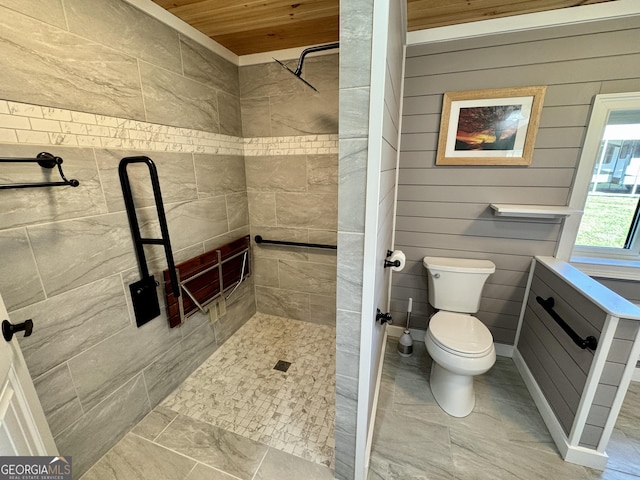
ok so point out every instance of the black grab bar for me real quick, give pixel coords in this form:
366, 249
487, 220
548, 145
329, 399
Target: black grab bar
259, 239
143, 292
590, 342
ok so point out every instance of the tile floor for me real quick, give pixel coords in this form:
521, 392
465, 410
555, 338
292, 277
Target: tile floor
504, 437
236, 417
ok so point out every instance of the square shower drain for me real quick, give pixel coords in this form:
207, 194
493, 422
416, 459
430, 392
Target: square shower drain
282, 366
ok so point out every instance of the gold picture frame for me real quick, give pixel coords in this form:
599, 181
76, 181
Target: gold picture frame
489, 127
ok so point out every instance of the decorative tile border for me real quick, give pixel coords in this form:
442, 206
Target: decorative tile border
294, 145
33, 124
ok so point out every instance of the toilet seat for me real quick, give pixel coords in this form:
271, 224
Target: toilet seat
460, 334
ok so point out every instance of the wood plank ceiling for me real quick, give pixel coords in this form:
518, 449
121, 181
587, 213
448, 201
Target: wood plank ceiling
256, 26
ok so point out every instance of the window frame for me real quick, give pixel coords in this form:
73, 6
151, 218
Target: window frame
600, 261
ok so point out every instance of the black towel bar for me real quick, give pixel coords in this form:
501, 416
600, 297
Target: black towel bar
589, 342
259, 239
45, 160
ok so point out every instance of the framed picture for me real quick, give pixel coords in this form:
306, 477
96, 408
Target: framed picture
489, 127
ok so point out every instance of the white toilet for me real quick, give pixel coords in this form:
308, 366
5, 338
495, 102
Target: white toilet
460, 345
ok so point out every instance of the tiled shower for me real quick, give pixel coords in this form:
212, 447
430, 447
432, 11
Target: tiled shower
239, 151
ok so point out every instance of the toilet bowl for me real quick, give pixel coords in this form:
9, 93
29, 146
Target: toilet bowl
460, 345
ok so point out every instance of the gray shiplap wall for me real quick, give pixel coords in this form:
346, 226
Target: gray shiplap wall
629, 289
444, 210
561, 368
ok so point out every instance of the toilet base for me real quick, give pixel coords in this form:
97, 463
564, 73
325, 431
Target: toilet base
453, 392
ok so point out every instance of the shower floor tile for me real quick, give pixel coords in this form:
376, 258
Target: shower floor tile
239, 390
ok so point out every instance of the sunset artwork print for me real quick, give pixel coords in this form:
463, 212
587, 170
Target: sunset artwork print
489, 127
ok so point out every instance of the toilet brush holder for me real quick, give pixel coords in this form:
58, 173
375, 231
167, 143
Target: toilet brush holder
405, 343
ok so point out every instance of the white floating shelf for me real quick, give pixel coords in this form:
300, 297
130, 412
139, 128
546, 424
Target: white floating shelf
531, 211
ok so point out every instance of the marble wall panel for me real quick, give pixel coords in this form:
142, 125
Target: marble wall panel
177, 363
237, 210
276, 173
172, 99
322, 71
262, 209
98, 430
80, 251
318, 255
240, 307
352, 181
322, 309
256, 117
74, 322
354, 113
348, 343
346, 403
349, 277
197, 221
58, 398
230, 114
304, 114
226, 238
127, 29
322, 174
319, 211
175, 171
47, 11
105, 367
356, 31
48, 66
266, 272
219, 174
33, 205
307, 277
189, 222
329, 237
275, 301
19, 279
269, 79
205, 66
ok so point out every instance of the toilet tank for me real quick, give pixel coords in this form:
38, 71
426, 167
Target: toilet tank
455, 284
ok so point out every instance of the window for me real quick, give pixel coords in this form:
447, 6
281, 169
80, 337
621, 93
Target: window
607, 190
611, 210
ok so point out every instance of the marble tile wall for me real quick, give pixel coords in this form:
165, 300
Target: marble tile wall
66, 256
90, 93
356, 27
274, 103
292, 185
66, 262
109, 58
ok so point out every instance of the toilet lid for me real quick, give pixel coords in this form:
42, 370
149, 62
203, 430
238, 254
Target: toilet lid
461, 333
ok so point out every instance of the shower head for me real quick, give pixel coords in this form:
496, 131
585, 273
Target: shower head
305, 52
296, 74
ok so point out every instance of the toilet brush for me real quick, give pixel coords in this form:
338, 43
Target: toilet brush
405, 344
